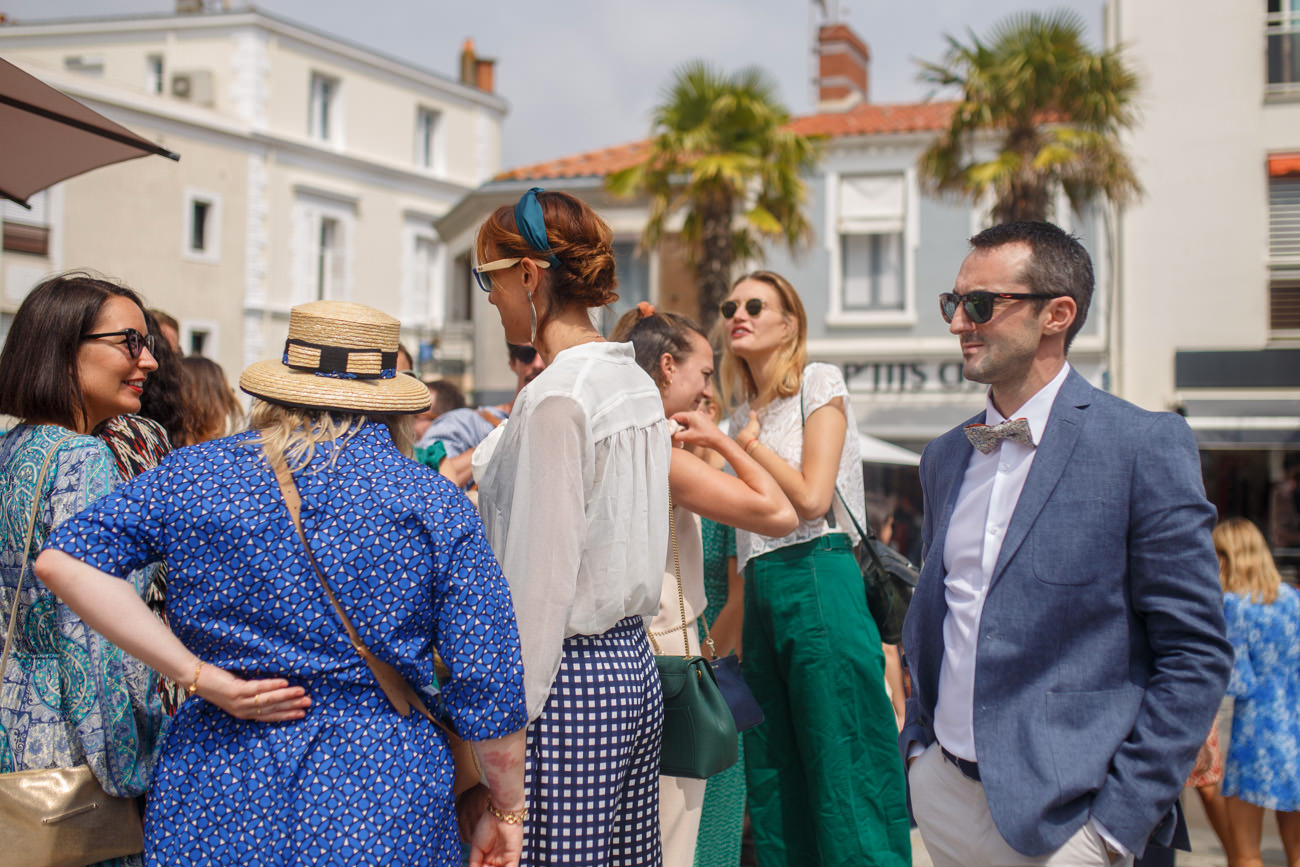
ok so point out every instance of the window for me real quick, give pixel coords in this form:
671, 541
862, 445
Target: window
633, 284
202, 226
422, 303
153, 74
460, 300
426, 139
324, 117
872, 272
1282, 33
199, 338
1284, 244
87, 64
26, 231
324, 229
329, 258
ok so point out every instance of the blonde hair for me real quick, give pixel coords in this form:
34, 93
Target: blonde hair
291, 434
738, 382
1245, 564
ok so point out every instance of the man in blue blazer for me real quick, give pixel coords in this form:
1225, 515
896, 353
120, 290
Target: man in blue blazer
1066, 640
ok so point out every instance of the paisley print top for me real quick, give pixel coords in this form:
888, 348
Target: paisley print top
69, 696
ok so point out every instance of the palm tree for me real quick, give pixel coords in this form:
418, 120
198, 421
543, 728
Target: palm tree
1053, 107
720, 152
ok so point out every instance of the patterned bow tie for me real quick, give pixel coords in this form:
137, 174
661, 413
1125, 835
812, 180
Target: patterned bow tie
986, 438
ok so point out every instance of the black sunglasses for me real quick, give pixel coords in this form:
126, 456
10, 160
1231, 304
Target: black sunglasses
134, 341
753, 307
523, 354
979, 305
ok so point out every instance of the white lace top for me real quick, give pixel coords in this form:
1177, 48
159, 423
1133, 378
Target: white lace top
575, 503
781, 430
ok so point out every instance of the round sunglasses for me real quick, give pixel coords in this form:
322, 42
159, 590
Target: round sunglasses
979, 305
133, 340
753, 307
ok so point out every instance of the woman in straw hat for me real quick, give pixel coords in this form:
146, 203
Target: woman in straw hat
342, 778
575, 501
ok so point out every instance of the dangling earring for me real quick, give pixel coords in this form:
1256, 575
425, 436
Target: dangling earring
532, 323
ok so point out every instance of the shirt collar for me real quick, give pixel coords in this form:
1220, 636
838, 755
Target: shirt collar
1036, 410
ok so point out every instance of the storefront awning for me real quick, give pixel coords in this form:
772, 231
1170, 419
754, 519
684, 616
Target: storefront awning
1284, 165
1247, 424
877, 451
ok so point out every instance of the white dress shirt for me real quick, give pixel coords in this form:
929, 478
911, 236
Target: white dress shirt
989, 493
575, 503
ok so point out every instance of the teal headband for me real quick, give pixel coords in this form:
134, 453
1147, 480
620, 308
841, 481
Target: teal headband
532, 224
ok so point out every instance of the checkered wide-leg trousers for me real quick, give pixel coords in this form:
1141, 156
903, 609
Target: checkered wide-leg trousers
592, 768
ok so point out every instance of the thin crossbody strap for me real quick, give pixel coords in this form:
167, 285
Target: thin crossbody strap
26, 549
396, 688
681, 597
866, 534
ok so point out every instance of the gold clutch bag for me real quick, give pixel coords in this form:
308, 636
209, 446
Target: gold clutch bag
62, 817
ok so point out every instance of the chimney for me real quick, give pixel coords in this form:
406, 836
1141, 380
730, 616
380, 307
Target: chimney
479, 72
842, 61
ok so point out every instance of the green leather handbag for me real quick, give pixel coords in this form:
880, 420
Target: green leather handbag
699, 737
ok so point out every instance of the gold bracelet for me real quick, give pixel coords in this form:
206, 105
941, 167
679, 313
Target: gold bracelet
749, 447
510, 817
194, 685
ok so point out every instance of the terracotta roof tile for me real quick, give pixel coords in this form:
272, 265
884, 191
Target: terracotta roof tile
864, 119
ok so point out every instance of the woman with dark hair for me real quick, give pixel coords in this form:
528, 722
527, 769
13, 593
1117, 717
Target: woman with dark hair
211, 410
674, 351
140, 440
825, 777
77, 355
270, 534
1263, 619
575, 501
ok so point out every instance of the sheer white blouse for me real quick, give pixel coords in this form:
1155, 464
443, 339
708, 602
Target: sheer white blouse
575, 503
781, 430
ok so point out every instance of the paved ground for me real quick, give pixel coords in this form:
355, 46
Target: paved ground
1206, 851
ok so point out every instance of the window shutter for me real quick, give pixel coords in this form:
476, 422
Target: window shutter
1284, 220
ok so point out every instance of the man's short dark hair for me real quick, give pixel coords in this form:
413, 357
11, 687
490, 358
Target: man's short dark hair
1058, 264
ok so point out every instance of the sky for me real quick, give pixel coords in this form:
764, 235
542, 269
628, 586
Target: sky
586, 74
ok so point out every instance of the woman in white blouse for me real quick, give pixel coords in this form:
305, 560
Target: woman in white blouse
575, 503
678, 357
825, 778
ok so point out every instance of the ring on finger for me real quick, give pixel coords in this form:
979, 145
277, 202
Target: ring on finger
257, 702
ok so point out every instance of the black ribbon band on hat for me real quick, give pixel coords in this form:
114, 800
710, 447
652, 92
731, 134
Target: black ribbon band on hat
334, 361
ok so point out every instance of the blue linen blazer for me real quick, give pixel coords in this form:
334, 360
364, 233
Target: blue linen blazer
1101, 656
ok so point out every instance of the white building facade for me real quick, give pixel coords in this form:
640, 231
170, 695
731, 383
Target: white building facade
310, 168
1208, 282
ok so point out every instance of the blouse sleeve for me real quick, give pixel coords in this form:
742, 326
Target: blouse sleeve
113, 701
547, 535
822, 384
475, 629
121, 532
1241, 683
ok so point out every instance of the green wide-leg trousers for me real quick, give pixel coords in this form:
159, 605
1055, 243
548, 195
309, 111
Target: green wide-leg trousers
825, 779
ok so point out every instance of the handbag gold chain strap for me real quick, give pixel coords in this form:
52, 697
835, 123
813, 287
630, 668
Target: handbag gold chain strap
26, 549
681, 597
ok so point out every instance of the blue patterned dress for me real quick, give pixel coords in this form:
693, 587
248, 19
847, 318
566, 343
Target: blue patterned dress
1263, 762
69, 696
352, 783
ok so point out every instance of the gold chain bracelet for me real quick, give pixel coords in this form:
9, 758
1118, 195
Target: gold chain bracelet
510, 817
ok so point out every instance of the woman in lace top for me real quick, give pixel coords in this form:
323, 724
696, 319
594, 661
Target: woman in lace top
825, 779
575, 502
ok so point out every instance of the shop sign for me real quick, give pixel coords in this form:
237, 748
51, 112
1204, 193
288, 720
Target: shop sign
907, 377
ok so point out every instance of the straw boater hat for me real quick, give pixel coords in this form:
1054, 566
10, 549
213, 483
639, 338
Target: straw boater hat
341, 357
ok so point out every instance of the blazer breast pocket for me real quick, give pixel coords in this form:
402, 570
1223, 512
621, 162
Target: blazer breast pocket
1075, 541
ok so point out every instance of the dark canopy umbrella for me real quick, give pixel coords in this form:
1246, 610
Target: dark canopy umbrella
47, 136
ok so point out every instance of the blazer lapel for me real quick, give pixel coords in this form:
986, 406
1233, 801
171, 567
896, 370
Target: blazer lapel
1050, 460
